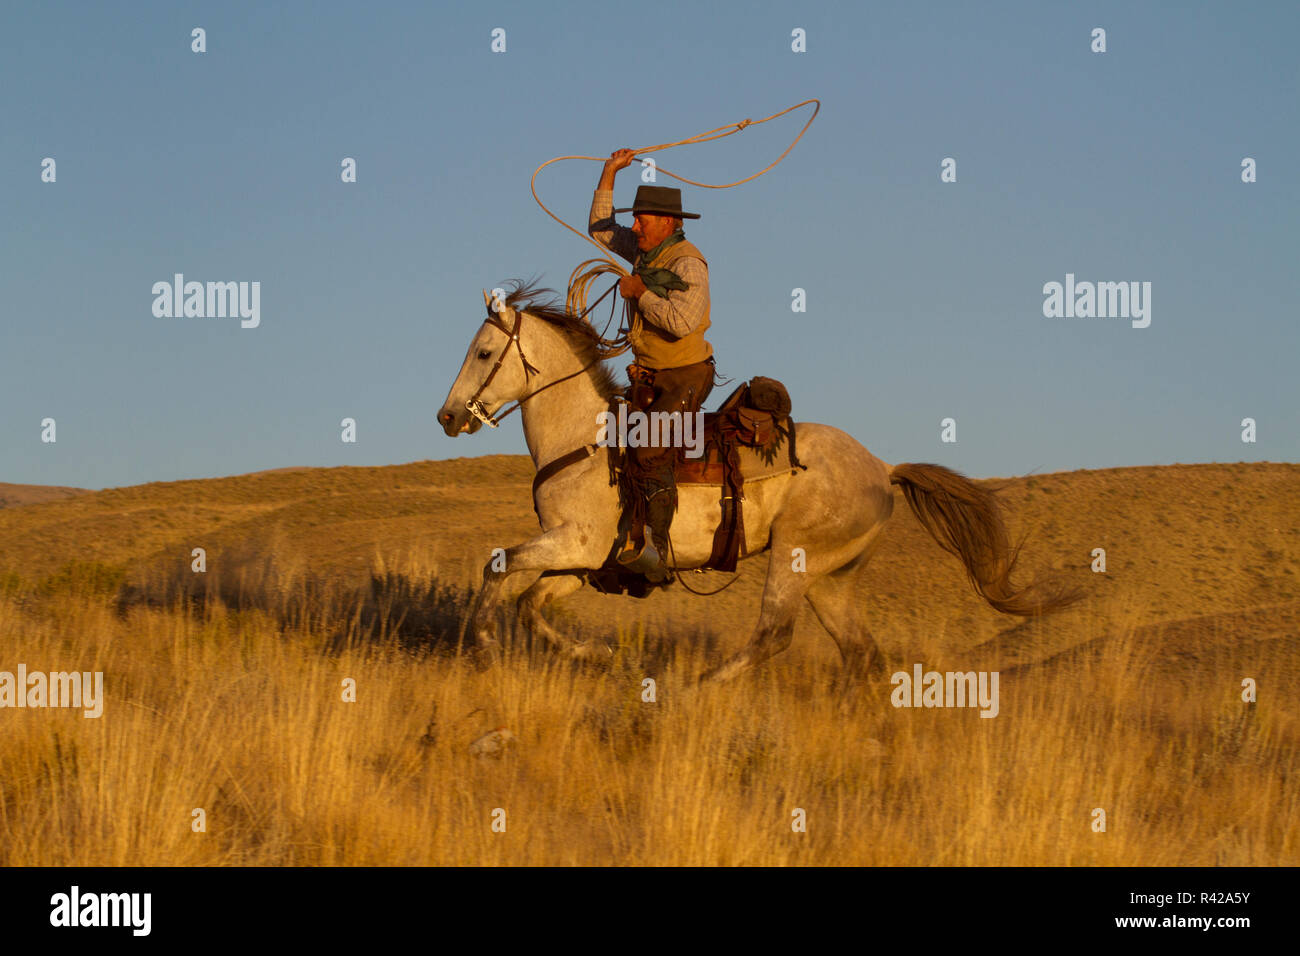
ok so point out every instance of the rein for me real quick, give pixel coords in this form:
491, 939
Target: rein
682, 581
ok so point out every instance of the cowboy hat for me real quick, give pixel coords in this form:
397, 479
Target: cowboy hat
659, 201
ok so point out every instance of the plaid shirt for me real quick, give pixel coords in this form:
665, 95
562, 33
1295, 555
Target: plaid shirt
683, 311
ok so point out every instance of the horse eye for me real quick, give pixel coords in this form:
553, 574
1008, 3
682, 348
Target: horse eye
485, 354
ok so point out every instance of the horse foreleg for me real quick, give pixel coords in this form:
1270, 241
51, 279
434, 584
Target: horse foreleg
561, 548
543, 592
482, 624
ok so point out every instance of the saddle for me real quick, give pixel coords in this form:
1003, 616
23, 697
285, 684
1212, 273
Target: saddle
756, 416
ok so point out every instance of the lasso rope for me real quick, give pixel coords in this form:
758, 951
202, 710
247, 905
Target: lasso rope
580, 281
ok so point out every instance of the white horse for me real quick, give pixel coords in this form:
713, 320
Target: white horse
548, 361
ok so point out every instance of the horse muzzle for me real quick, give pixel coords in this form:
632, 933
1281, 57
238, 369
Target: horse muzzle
459, 422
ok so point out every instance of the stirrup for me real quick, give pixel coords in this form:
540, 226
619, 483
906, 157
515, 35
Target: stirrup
647, 562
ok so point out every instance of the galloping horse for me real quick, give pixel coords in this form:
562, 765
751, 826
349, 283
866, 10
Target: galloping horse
547, 360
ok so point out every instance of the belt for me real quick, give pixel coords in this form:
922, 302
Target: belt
675, 368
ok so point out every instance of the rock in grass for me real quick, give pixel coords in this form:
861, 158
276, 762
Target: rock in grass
493, 744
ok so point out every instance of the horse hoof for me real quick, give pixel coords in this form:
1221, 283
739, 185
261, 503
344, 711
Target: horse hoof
487, 651
722, 673
593, 650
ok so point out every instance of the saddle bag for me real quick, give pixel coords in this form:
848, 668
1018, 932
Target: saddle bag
756, 428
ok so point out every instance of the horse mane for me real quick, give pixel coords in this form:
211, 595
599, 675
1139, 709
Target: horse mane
545, 304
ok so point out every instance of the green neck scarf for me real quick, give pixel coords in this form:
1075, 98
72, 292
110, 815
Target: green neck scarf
659, 281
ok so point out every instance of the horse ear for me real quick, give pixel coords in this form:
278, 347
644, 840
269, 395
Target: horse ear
496, 303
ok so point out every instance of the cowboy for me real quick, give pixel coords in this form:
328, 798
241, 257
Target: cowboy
668, 296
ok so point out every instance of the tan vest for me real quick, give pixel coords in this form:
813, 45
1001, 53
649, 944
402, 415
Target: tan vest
655, 348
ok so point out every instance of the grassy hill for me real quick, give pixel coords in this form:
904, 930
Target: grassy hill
1129, 701
1181, 542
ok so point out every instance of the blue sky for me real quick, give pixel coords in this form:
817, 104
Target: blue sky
924, 298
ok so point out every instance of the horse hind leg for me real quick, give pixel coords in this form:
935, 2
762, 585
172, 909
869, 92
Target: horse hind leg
836, 602
786, 587
782, 594
769, 639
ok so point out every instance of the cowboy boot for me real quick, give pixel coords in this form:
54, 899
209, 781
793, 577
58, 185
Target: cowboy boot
659, 517
661, 503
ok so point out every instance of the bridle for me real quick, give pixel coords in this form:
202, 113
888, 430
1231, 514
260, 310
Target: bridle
475, 407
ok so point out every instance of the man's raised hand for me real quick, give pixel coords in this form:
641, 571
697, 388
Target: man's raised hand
620, 159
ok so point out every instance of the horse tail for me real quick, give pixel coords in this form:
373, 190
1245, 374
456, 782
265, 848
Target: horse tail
966, 520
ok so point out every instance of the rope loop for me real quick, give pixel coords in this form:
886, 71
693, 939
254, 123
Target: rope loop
711, 135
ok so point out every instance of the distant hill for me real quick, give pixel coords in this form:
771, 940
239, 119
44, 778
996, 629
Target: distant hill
1182, 542
15, 496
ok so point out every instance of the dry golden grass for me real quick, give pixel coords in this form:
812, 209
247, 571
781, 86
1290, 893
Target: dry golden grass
234, 703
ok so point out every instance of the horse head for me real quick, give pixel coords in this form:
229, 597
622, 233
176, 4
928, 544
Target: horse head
493, 373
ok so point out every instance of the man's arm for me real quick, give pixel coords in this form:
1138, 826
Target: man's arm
683, 311
601, 226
